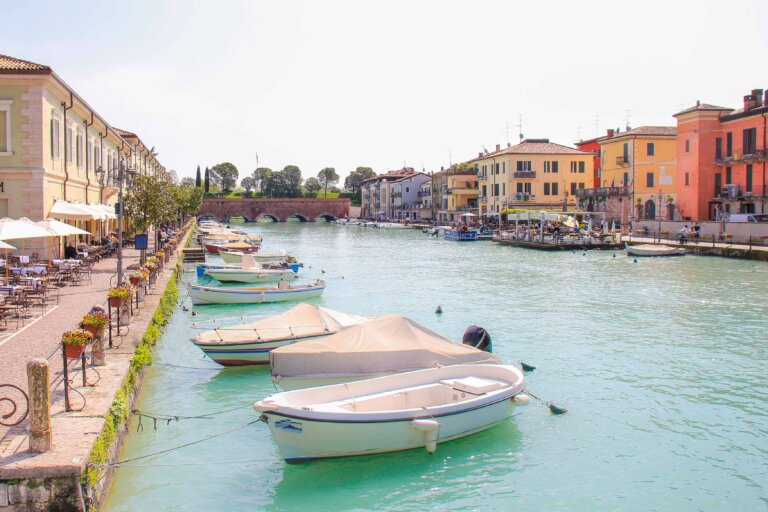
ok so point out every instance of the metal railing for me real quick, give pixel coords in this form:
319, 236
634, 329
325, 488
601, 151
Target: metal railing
602, 191
524, 174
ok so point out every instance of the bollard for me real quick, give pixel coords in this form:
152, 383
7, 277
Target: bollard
39, 406
97, 350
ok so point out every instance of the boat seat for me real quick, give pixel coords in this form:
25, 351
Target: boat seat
474, 385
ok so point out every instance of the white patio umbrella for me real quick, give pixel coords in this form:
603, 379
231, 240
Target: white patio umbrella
59, 229
467, 215
11, 229
6, 246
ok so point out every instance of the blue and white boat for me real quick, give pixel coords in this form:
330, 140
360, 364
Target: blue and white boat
253, 294
458, 235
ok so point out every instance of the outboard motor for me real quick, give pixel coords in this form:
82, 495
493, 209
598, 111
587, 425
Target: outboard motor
477, 337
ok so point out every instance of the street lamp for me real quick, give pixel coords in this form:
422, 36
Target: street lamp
121, 175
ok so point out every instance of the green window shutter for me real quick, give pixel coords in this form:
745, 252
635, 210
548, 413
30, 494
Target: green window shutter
52, 155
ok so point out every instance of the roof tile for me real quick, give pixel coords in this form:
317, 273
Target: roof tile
8, 63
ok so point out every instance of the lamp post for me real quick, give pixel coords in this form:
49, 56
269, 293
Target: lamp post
121, 175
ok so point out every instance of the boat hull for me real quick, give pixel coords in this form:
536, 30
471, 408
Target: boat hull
458, 236
215, 249
321, 439
246, 353
245, 295
648, 251
237, 257
228, 276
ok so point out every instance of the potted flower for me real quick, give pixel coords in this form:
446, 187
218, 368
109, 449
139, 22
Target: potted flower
118, 296
135, 278
94, 322
75, 342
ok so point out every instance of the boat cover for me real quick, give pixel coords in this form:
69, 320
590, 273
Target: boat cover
300, 321
390, 343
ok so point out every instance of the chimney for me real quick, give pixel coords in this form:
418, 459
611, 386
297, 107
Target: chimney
610, 132
498, 147
758, 94
479, 154
749, 102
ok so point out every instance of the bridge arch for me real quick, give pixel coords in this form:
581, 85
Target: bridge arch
236, 215
302, 218
209, 216
281, 209
326, 217
271, 216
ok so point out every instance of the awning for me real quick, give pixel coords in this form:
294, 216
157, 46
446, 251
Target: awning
11, 229
109, 211
61, 228
74, 211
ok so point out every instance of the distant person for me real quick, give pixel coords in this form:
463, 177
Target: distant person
70, 252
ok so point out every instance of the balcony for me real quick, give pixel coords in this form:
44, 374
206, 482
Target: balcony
524, 197
602, 192
482, 177
622, 161
524, 175
482, 199
397, 194
424, 193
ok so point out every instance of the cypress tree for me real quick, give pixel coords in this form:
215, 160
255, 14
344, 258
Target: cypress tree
197, 178
207, 181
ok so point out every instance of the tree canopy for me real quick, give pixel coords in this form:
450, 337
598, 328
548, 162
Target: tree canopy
225, 175
285, 183
207, 180
198, 181
327, 177
260, 177
188, 182
249, 184
352, 182
312, 185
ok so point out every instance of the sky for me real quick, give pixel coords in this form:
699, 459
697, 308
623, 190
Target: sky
386, 84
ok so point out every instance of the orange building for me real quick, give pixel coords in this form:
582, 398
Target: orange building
721, 155
593, 146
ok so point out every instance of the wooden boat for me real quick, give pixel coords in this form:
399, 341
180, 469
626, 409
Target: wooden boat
205, 266
252, 294
649, 250
242, 247
251, 343
249, 275
397, 412
237, 256
382, 346
469, 235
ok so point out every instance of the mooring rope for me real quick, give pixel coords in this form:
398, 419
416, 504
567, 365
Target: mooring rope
168, 418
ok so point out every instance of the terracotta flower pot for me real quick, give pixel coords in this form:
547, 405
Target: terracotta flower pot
135, 281
116, 302
73, 351
93, 330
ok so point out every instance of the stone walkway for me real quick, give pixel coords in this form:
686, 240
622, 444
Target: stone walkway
73, 432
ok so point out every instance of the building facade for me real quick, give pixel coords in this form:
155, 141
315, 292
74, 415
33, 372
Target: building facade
454, 193
52, 142
377, 194
405, 196
722, 159
534, 174
643, 161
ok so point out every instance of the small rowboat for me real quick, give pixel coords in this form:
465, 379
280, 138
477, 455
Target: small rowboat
244, 275
205, 266
654, 250
253, 295
397, 412
250, 344
243, 247
264, 257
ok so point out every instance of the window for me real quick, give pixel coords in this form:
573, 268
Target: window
582, 185
546, 189
625, 180
649, 180
573, 189
55, 136
547, 166
650, 149
96, 159
554, 166
728, 176
574, 166
749, 178
485, 190
69, 143
504, 189
496, 189
687, 146
729, 144
718, 184
497, 168
527, 188
582, 166
407, 189
5, 127
687, 179
718, 148
80, 144
554, 189
625, 152
749, 145
519, 188
523, 165
503, 167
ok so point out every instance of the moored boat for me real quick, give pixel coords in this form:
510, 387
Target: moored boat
237, 256
251, 343
242, 247
650, 250
382, 346
249, 275
460, 235
252, 294
397, 412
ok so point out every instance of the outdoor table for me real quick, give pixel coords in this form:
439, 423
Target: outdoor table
36, 269
10, 289
66, 264
31, 282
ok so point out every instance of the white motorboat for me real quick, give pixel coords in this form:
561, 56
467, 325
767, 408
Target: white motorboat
390, 225
252, 294
264, 257
251, 343
654, 250
398, 412
250, 271
382, 346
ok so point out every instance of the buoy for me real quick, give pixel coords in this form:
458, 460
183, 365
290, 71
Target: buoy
614, 255
555, 409
431, 429
635, 261
526, 367
439, 310
584, 254
520, 399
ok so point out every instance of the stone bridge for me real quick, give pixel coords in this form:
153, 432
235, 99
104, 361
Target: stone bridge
279, 210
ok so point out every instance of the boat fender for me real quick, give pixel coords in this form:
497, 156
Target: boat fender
431, 429
520, 399
263, 406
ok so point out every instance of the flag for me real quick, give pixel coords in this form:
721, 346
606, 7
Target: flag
613, 181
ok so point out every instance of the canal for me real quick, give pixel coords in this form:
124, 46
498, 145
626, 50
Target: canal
661, 364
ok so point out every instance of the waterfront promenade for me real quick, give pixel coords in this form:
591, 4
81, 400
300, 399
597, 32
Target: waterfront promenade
73, 432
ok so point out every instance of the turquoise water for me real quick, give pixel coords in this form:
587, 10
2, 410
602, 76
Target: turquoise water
661, 363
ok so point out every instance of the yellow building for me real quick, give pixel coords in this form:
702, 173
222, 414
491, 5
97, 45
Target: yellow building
53, 142
644, 160
455, 192
534, 174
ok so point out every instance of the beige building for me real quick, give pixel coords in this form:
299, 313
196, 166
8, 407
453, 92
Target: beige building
535, 174
455, 192
52, 142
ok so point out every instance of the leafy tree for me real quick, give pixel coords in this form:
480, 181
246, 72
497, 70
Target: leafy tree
150, 201
207, 180
197, 177
312, 185
327, 177
224, 175
285, 183
188, 182
189, 199
352, 182
260, 177
249, 184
